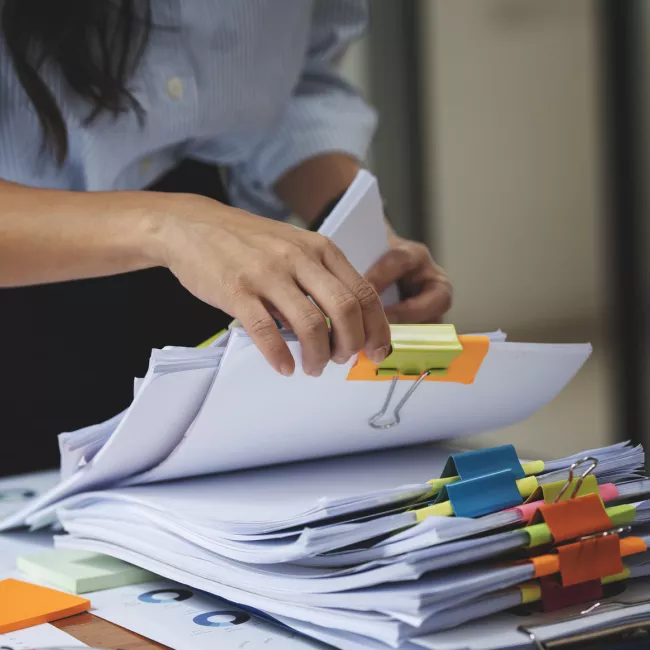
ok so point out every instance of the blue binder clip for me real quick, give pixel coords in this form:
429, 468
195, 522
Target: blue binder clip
488, 481
472, 464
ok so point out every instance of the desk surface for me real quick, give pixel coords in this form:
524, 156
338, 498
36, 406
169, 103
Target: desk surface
98, 633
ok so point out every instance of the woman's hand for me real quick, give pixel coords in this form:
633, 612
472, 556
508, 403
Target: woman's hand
251, 267
424, 286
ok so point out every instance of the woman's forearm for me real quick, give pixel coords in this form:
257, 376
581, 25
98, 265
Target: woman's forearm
52, 236
311, 186
233, 260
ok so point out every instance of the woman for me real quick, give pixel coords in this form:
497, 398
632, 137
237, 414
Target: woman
114, 116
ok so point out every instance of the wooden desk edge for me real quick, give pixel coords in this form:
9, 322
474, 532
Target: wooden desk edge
98, 633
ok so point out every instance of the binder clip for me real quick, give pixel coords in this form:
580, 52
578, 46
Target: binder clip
575, 517
548, 493
555, 596
581, 479
421, 353
418, 351
480, 482
588, 545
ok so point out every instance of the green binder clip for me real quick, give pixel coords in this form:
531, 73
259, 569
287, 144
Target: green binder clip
421, 348
418, 351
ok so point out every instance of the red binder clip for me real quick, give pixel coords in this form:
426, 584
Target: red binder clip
555, 596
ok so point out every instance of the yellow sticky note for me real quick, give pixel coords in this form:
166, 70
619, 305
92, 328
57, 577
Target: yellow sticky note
23, 605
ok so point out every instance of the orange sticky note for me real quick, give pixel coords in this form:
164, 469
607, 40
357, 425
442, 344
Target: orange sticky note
23, 605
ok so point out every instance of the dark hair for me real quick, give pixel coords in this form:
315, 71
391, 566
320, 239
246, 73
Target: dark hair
96, 44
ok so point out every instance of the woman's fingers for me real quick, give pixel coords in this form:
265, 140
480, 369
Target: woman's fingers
428, 306
306, 321
340, 305
261, 327
375, 324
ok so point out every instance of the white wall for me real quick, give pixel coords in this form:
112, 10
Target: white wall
512, 153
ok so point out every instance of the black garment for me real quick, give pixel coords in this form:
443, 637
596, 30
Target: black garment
70, 351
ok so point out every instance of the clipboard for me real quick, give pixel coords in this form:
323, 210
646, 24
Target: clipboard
627, 635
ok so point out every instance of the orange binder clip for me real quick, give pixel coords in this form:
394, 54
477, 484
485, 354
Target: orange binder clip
574, 517
588, 547
590, 559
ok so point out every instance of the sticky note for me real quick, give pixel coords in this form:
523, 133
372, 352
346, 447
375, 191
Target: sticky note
23, 605
81, 571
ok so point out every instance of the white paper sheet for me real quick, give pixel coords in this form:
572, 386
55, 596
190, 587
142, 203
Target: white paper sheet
359, 217
38, 636
278, 496
192, 620
376, 626
15, 493
18, 491
15, 544
161, 412
330, 415
267, 551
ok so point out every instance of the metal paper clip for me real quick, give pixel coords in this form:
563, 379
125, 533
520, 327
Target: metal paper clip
615, 531
589, 470
391, 423
539, 645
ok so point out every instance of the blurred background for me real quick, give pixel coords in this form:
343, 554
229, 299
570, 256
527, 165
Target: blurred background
513, 141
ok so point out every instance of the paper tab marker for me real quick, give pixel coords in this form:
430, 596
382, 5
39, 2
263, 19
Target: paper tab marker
81, 571
24, 605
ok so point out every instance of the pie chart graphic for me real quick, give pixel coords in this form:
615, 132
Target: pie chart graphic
165, 596
221, 618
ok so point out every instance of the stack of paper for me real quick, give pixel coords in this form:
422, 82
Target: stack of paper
346, 567
191, 481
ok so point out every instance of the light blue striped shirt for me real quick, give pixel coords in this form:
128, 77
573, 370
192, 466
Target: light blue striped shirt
249, 84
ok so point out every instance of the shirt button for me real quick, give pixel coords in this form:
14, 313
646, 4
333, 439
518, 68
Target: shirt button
175, 88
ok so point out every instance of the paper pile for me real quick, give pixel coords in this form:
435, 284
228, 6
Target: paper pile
365, 550
347, 567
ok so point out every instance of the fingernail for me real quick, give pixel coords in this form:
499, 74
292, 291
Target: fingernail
316, 372
378, 355
340, 359
286, 370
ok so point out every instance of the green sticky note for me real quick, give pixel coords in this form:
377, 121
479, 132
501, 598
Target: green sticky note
80, 572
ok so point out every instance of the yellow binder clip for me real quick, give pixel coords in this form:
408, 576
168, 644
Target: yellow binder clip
418, 351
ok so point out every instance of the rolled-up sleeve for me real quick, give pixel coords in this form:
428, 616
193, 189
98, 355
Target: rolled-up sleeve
325, 113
